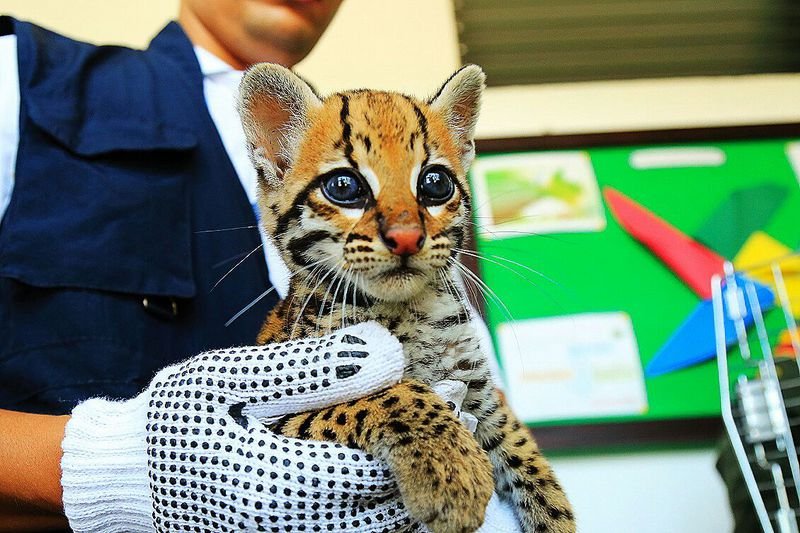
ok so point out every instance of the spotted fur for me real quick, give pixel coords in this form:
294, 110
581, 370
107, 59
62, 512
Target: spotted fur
344, 272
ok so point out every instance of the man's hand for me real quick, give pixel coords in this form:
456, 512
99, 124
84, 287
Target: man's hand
192, 450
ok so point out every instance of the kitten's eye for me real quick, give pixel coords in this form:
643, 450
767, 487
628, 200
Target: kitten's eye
344, 188
435, 186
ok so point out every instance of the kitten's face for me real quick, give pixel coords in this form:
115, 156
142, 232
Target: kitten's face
372, 194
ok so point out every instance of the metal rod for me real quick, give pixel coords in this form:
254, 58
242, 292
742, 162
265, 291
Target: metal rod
786, 305
727, 413
785, 515
736, 309
766, 349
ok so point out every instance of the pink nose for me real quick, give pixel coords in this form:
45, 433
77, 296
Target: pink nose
404, 241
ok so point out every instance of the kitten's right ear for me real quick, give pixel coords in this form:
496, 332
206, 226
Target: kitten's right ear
274, 105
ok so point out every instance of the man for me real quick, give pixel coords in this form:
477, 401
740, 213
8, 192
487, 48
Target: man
127, 242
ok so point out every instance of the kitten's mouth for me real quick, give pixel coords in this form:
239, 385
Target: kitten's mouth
396, 284
402, 271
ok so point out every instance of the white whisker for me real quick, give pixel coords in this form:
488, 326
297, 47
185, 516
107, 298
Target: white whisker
344, 296
225, 229
248, 306
305, 302
259, 298
333, 299
236, 266
355, 296
315, 271
484, 288
325, 298
495, 259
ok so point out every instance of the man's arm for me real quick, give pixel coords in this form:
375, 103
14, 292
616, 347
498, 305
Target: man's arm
30, 471
30, 445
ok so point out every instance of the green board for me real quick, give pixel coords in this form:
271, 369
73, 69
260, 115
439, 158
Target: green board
607, 271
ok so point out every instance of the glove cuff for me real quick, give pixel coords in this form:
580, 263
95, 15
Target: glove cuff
104, 467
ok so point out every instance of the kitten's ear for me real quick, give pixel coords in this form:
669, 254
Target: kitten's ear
274, 105
459, 101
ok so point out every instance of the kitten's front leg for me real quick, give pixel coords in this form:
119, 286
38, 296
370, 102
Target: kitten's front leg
521, 472
444, 477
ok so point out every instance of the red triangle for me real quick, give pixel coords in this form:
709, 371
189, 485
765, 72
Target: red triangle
688, 259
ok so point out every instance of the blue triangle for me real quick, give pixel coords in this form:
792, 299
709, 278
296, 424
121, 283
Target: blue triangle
694, 342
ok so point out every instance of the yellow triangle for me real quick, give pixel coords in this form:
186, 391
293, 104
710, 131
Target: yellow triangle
758, 251
759, 248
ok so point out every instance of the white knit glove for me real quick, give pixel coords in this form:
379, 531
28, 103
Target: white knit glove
191, 452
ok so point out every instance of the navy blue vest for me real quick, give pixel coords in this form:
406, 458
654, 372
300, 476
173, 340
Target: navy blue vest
106, 269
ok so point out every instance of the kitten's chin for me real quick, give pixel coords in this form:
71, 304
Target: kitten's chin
398, 285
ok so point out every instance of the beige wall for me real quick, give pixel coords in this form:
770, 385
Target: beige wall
97, 21
411, 45
407, 45
639, 105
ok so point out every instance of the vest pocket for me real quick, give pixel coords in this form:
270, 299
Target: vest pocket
59, 346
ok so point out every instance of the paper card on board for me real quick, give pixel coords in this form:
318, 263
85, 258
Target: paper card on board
574, 366
536, 193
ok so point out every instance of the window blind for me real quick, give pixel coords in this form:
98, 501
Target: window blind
539, 41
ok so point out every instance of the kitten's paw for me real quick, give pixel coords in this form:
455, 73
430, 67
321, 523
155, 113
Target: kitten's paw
447, 482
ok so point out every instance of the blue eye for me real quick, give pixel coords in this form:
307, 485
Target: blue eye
344, 188
435, 186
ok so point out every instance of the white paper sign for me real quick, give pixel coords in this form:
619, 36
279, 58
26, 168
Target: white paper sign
575, 366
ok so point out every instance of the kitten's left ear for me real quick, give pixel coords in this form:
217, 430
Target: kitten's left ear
459, 101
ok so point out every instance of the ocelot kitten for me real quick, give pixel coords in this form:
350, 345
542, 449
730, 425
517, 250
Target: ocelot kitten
365, 195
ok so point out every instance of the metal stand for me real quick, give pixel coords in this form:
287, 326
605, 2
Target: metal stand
757, 400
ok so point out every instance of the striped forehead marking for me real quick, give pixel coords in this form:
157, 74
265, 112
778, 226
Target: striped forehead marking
347, 130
